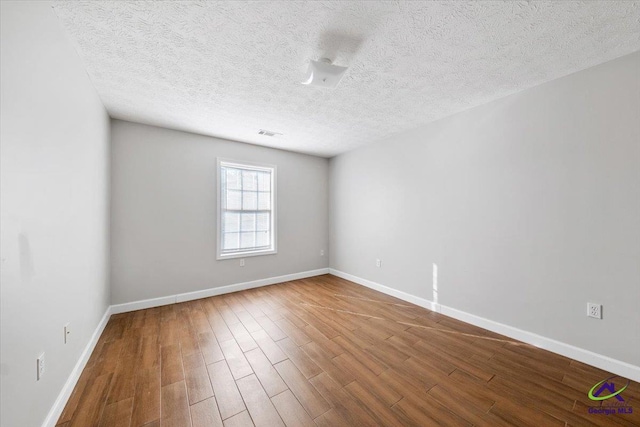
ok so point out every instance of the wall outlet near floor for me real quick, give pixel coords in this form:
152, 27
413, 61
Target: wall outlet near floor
594, 310
40, 367
321, 252
378, 262
242, 263
67, 332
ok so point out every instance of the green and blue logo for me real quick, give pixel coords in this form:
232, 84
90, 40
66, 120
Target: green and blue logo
610, 387
603, 391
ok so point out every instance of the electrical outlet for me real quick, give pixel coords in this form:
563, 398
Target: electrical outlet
67, 331
321, 252
40, 367
242, 262
378, 262
594, 310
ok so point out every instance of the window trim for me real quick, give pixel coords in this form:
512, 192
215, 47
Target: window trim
274, 222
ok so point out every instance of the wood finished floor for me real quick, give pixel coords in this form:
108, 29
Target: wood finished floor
324, 352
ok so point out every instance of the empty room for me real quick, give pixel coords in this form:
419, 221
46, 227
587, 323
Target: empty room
320, 213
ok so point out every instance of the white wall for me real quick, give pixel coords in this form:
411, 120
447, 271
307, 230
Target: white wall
163, 213
529, 205
54, 213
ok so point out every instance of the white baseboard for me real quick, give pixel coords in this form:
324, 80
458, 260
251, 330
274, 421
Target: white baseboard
142, 304
606, 363
188, 296
422, 302
67, 389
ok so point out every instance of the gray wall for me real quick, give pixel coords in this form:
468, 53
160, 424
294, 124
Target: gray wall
529, 205
163, 216
54, 213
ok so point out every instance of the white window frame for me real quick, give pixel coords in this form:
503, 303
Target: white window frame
274, 232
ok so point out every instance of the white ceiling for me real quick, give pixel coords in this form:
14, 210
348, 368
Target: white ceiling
228, 69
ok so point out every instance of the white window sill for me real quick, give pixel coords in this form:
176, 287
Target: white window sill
246, 254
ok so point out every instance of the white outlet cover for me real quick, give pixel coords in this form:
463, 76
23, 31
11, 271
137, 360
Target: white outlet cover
594, 310
66, 331
40, 367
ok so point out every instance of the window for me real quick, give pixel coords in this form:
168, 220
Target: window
246, 209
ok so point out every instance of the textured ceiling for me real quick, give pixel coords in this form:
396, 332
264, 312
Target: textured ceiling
228, 69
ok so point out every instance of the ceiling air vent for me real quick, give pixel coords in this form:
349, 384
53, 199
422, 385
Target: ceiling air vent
268, 133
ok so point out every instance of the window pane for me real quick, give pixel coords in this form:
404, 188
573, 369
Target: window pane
231, 222
264, 201
230, 241
248, 222
249, 180
262, 238
264, 181
247, 240
245, 208
233, 177
262, 222
249, 201
234, 200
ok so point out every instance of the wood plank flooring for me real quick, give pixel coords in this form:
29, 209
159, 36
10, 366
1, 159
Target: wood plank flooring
327, 352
